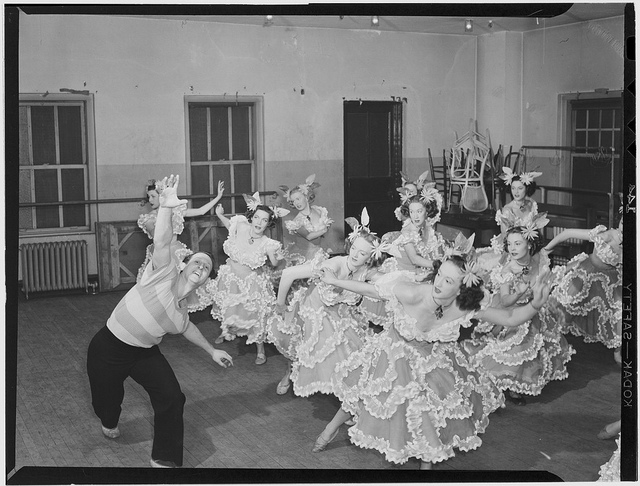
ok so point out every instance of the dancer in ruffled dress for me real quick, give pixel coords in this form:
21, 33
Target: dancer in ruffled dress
520, 211
610, 471
310, 224
521, 360
412, 389
320, 327
147, 222
242, 294
588, 299
522, 207
418, 244
407, 190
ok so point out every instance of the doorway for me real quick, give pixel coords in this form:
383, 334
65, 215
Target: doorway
372, 161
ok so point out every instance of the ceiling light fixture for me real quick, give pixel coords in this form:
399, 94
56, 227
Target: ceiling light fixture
375, 21
468, 25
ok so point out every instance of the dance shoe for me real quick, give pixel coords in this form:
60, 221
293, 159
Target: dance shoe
162, 463
261, 358
350, 422
283, 387
219, 339
111, 433
605, 434
515, 398
321, 443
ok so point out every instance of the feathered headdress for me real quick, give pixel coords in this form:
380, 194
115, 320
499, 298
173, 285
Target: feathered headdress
526, 177
362, 228
463, 247
309, 185
430, 193
530, 228
254, 201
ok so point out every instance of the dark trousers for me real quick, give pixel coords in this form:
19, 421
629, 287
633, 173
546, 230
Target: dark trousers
110, 362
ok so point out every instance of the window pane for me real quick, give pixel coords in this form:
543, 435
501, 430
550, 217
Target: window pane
581, 118
219, 133
46, 186
198, 133
607, 118
223, 173
24, 216
593, 140
581, 140
594, 118
199, 184
73, 190
242, 177
24, 136
616, 140
43, 135
606, 139
70, 134
241, 133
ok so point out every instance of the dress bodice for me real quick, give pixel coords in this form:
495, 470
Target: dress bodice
500, 277
177, 220
602, 248
429, 249
302, 221
253, 259
330, 294
515, 215
406, 325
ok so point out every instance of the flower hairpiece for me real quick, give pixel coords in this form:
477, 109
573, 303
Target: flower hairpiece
358, 228
526, 177
252, 201
530, 228
461, 246
279, 212
306, 187
379, 248
470, 274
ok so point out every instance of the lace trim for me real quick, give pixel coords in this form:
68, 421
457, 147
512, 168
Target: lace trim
254, 259
177, 220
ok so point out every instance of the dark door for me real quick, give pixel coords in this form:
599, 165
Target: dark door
372, 161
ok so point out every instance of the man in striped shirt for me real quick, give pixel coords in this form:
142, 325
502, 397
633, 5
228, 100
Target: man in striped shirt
128, 344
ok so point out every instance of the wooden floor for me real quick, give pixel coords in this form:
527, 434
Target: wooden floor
236, 424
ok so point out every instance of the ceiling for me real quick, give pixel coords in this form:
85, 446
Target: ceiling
418, 18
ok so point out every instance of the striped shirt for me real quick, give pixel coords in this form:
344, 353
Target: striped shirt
150, 309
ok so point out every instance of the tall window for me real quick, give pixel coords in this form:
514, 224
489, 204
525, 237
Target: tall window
53, 164
596, 129
222, 146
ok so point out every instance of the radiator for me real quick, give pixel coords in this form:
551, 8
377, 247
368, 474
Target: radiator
571, 241
59, 265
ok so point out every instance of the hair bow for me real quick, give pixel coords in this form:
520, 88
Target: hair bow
508, 175
379, 248
252, 201
526, 177
422, 179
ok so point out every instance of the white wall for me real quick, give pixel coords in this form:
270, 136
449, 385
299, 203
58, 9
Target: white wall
576, 58
140, 70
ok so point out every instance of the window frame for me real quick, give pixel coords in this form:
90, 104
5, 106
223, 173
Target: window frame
256, 140
88, 117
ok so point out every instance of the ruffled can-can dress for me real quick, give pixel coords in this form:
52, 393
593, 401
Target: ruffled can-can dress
301, 250
587, 300
320, 329
523, 358
415, 394
242, 295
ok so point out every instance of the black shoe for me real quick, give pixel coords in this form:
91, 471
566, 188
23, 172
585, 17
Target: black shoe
515, 398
